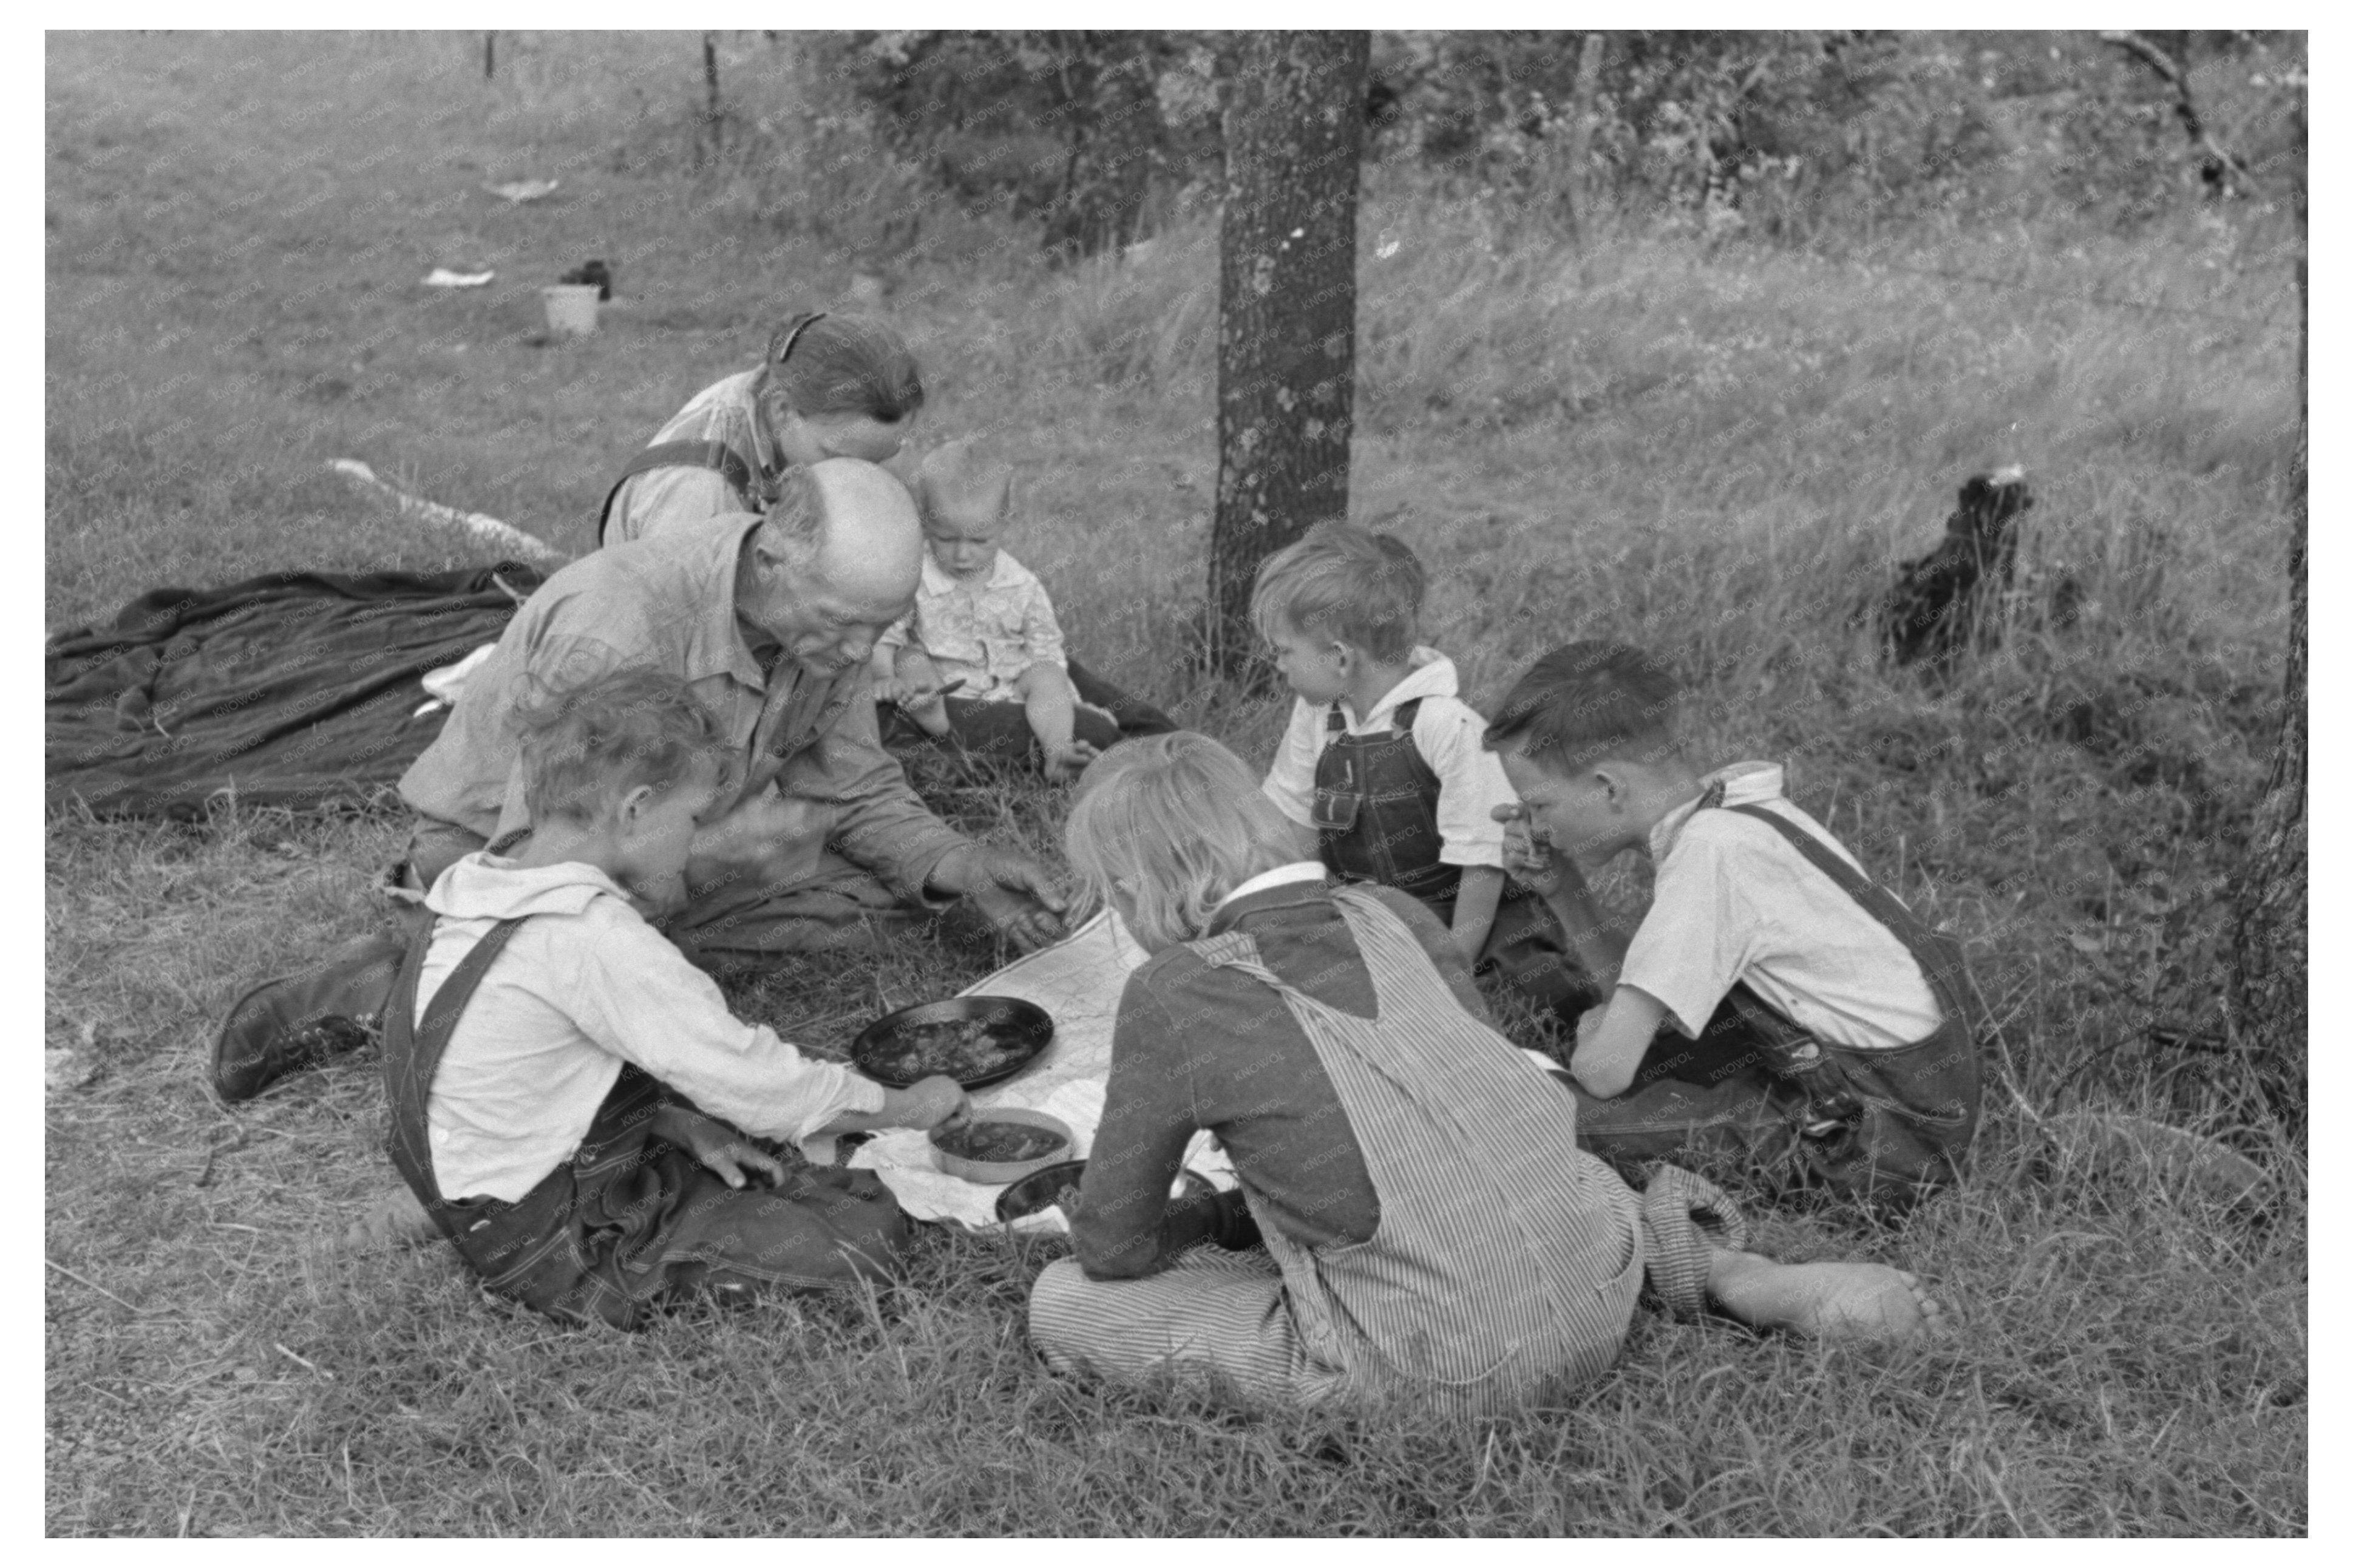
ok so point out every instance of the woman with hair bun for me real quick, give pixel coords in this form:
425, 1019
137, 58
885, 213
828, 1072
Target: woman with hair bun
829, 386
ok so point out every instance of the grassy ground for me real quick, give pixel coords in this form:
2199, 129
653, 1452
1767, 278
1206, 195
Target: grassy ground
1715, 454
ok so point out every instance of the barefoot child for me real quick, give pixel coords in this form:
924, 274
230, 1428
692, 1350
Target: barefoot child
983, 627
1382, 765
1815, 1027
1414, 1220
543, 1041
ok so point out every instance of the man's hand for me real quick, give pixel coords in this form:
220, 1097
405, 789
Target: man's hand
1528, 853
1013, 893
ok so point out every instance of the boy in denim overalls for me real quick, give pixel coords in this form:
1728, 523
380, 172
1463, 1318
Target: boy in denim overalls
1383, 766
1812, 1025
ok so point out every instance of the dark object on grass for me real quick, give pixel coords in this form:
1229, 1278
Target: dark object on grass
297, 688
940, 1038
594, 273
1948, 602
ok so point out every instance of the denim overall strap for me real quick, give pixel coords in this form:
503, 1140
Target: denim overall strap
1375, 809
1937, 956
413, 1051
717, 456
1502, 1256
527, 1249
1903, 1116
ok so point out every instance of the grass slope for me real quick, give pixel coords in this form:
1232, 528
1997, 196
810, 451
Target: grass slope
1716, 454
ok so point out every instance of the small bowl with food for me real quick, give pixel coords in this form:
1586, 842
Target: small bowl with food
1045, 1187
992, 1147
975, 1040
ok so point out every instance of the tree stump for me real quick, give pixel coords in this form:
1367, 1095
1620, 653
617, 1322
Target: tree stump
1948, 600
1286, 311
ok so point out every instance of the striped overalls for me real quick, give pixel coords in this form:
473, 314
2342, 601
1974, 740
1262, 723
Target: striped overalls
1505, 1260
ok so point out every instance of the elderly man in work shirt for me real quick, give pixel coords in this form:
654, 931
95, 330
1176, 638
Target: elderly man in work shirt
771, 619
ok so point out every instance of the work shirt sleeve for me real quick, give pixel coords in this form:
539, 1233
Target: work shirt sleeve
1470, 782
662, 498
635, 996
1041, 634
881, 823
1125, 1228
1291, 781
1699, 934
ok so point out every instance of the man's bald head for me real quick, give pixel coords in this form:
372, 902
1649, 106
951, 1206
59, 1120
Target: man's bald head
835, 562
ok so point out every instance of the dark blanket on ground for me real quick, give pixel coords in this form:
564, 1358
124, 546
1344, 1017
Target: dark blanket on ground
297, 688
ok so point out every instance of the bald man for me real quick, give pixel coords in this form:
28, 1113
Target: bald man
771, 620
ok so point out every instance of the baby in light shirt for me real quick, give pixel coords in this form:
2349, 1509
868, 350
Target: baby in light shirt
983, 627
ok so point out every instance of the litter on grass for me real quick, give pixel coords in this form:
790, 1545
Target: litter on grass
447, 277
524, 190
488, 531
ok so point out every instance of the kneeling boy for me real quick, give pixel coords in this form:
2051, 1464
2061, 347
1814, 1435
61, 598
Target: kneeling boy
543, 1041
1816, 1026
1382, 768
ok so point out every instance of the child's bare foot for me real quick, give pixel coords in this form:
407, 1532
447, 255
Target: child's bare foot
929, 714
1064, 764
1845, 1304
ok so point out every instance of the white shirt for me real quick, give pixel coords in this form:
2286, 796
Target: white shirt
582, 987
984, 632
1734, 900
1446, 731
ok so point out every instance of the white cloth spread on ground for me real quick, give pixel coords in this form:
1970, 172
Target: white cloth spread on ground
1078, 980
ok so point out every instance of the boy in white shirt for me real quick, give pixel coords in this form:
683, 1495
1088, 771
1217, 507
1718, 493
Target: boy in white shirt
566, 1088
1382, 768
1812, 1025
983, 627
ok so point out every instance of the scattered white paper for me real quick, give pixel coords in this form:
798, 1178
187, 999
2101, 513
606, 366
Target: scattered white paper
524, 190
443, 277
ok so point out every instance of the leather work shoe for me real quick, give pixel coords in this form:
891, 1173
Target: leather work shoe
302, 1019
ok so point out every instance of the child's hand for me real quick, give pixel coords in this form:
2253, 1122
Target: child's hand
722, 1149
1528, 853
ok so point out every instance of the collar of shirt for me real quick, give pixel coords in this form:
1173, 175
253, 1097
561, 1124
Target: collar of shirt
1003, 573
1745, 783
718, 646
1299, 871
1432, 675
483, 886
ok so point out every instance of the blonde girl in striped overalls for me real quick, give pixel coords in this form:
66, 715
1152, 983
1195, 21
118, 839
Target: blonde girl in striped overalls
1415, 1221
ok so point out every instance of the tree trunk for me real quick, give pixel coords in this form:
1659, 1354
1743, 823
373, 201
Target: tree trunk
1577, 188
712, 126
490, 56
2269, 973
1286, 311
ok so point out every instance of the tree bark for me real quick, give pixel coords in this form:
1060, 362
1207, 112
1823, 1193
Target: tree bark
711, 122
1286, 311
2269, 979
1578, 186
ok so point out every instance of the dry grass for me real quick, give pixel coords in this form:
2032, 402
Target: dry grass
1715, 454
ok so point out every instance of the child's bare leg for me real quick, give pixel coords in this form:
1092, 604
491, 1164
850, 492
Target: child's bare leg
1847, 1302
929, 714
1052, 706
